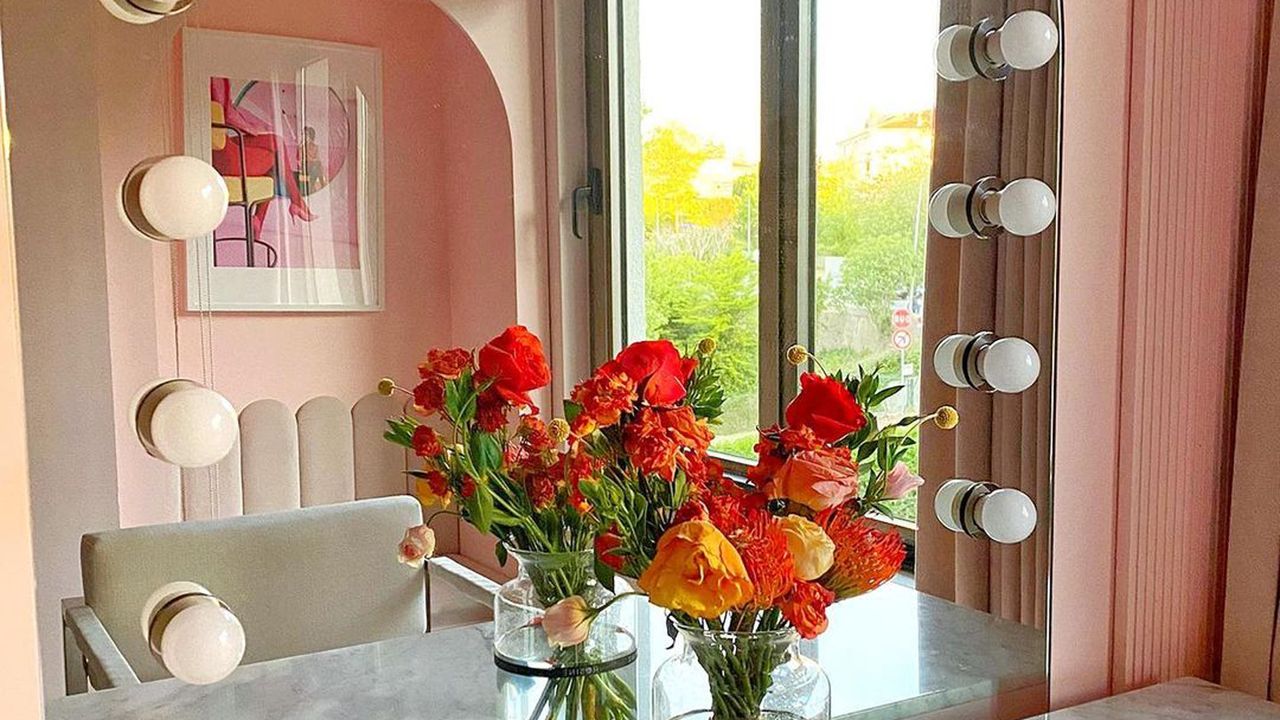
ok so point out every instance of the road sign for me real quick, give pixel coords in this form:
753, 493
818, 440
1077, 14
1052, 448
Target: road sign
902, 318
901, 339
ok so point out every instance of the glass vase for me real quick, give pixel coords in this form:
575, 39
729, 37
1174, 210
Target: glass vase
581, 681
740, 676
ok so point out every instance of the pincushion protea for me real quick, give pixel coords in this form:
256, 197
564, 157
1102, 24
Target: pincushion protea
865, 558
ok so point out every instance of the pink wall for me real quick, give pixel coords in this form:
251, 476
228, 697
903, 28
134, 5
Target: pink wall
1253, 572
450, 253
19, 655
1157, 125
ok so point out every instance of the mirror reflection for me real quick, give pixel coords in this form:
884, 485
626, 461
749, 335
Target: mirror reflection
626, 359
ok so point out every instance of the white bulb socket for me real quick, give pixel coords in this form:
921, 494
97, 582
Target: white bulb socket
1023, 207
951, 54
1025, 41
985, 362
949, 210
192, 633
173, 198
979, 510
145, 12
183, 423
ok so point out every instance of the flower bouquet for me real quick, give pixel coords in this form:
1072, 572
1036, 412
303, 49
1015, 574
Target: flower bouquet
485, 451
744, 570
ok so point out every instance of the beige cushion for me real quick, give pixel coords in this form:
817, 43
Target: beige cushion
300, 581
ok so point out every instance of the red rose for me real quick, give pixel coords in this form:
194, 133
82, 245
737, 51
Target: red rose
448, 364
426, 443
515, 364
428, 396
805, 607
659, 371
826, 407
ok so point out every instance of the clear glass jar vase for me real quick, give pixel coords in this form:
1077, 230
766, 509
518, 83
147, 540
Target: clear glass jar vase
740, 676
579, 681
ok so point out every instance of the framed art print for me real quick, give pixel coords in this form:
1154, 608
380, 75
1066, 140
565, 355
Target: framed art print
294, 127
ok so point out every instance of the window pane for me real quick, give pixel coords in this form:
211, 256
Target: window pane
875, 95
698, 123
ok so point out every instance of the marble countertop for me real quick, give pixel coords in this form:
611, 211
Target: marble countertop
891, 654
1185, 699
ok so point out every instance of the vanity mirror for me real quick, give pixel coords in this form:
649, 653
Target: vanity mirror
255, 218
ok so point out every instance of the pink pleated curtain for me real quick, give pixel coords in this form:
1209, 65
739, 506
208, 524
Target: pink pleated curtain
1006, 285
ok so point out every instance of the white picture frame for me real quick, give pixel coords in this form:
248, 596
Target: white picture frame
311, 235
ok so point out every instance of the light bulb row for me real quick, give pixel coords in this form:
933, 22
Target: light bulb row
1025, 41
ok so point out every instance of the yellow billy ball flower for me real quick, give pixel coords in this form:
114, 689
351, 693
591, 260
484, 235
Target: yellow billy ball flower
558, 430
946, 417
797, 355
707, 346
386, 386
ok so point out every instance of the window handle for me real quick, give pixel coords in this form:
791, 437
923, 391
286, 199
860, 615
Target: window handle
592, 194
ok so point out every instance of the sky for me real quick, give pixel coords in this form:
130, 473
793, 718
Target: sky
700, 64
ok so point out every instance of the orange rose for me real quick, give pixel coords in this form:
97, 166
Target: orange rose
696, 570
818, 479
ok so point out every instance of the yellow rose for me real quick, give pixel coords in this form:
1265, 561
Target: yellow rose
696, 570
812, 552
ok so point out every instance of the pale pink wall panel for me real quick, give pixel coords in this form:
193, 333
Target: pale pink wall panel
1135, 593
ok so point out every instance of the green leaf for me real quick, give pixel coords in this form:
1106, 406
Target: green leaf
486, 452
571, 410
480, 507
500, 552
460, 399
605, 574
885, 394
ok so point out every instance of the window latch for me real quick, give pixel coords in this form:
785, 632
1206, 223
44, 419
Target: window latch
592, 195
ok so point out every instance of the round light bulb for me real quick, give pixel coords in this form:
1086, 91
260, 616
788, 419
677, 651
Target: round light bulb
184, 423
1007, 516
1025, 207
174, 198
947, 359
203, 644
951, 54
1028, 40
192, 633
1010, 365
948, 210
143, 12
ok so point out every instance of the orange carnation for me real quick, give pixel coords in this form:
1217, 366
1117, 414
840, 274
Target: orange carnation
696, 570
806, 608
605, 396
656, 440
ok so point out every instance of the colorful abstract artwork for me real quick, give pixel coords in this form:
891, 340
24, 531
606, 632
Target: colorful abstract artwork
292, 127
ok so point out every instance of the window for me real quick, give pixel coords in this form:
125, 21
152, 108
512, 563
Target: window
764, 182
